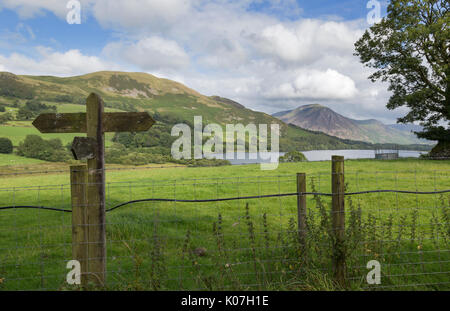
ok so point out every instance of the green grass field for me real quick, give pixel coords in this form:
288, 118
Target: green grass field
72, 108
16, 131
224, 245
13, 160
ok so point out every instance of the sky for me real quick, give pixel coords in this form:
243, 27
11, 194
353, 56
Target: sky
269, 55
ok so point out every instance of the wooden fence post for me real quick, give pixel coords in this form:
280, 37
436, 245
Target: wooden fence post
338, 219
78, 184
301, 207
96, 193
92, 148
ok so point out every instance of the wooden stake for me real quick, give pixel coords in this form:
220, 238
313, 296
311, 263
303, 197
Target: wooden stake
96, 192
301, 207
78, 181
338, 219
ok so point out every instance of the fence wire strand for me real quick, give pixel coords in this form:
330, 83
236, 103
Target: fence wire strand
237, 233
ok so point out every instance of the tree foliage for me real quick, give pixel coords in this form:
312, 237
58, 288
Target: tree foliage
36, 147
6, 117
6, 145
410, 49
293, 156
33, 108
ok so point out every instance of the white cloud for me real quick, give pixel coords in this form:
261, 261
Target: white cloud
69, 63
313, 84
285, 44
307, 40
152, 53
221, 47
28, 9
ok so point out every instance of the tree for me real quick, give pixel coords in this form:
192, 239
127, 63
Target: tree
36, 147
6, 117
410, 49
293, 156
25, 114
6, 145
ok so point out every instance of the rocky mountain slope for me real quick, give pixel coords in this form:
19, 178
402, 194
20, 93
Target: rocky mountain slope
323, 119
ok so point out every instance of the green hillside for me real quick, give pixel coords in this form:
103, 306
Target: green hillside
379, 132
144, 92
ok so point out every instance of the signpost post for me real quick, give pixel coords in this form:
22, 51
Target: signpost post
89, 204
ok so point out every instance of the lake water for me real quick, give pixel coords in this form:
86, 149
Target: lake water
317, 155
324, 155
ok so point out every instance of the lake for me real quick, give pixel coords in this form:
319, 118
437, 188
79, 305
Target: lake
320, 155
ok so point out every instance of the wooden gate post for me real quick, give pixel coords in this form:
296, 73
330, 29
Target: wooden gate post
78, 184
96, 192
338, 219
301, 207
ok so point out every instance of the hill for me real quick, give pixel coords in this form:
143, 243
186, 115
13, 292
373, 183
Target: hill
407, 127
169, 101
324, 119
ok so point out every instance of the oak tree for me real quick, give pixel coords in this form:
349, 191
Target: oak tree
410, 50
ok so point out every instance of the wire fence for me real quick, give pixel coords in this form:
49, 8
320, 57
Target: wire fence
238, 233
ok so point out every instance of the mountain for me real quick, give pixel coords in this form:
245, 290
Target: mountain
407, 127
323, 119
129, 92
171, 101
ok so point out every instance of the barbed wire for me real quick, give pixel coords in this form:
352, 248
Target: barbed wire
236, 198
256, 246
67, 170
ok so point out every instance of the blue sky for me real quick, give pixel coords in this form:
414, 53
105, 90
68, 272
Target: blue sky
270, 55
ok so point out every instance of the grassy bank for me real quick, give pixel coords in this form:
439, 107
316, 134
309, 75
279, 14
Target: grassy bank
229, 245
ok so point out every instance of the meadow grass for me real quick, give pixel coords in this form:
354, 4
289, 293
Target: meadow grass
17, 131
15, 160
249, 244
73, 108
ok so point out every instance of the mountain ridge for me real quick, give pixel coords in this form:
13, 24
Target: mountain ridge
124, 91
321, 118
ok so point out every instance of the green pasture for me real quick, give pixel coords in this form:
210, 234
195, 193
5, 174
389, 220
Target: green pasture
16, 131
226, 245
73, 108
13, 160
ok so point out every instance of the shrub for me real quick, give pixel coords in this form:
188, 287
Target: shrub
36, 147
6, 145
32, 109
5, 117
119, 154
25, 114
293, 156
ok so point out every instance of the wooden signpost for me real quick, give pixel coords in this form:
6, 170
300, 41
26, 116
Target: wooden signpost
88, 183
